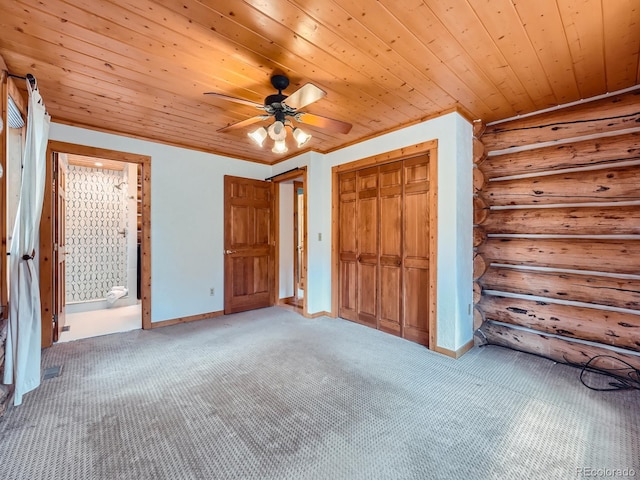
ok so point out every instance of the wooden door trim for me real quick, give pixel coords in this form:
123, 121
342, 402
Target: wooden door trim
46, 229
4, 136
300, 172
295, 239
297, 264
305, 239
387, 157
433, 247
275, 215
283, 177
430, 148
47, 257
59, 235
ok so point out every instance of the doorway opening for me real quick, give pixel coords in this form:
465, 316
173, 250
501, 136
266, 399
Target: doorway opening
265, 234
102, 239
291, 230
95, 243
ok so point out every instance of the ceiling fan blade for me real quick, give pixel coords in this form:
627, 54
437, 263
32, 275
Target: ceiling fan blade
243, 123
324, 122
306, 94
236, 100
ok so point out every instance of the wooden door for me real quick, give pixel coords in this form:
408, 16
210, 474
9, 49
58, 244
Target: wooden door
59, 253
391, 234
367, 240
347, 247
248, 244
416, 249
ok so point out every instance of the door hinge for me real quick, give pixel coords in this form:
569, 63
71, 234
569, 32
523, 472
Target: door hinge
55, 319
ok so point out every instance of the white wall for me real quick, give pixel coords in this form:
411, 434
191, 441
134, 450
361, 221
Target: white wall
455, 218
318, 250
286, 240
186, 219
464, 237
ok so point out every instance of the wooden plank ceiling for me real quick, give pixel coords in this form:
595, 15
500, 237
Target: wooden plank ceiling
140, 67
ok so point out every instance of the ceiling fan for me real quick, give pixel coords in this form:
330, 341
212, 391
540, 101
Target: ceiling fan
283, 109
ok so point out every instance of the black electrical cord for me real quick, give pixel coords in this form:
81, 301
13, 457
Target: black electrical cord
627, 379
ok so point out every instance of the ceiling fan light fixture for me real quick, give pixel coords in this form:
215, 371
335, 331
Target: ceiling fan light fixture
258, 135
300, 136
283, 109
277, 131
279, 146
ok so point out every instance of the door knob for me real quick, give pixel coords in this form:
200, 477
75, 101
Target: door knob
229, 252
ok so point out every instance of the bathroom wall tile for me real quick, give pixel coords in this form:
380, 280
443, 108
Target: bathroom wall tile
96, 252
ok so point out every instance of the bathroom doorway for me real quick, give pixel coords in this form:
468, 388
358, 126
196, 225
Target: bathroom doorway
95, 243
101, 211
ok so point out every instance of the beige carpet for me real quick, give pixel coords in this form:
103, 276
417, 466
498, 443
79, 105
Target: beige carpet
270, 395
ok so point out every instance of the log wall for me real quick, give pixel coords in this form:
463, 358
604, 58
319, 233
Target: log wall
557, 232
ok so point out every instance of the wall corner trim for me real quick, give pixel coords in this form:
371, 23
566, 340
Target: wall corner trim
455, 353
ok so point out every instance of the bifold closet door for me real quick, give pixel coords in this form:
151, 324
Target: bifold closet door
384, 247
416, 250
390, 260
367, 245
348, 247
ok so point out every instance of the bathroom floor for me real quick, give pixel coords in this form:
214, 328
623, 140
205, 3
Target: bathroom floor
101, 322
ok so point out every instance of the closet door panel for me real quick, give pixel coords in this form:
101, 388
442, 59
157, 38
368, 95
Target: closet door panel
348, 250
416, 230
390, 299
347, 185
347, 290
367, 298
416, 250
367, 238
416, 305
